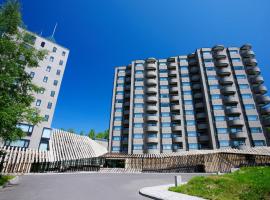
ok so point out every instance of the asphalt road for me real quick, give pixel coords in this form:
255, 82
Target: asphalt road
85, 186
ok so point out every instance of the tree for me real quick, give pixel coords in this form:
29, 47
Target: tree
103, 135
91, 134
16, 87
71, 130
82, 133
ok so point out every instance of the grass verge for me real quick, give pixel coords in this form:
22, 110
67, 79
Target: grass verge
4, 179
249, 183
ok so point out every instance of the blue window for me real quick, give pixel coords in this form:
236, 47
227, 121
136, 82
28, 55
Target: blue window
222, 130
241, 76
238, 67
163, 79
246, 96
117, 128
116, 138
162, 63
236, 130
243, 86
184, 68
137, 136
213, 87
138, 115
164, 87
193, 146
165, 114
121, 70
207, 53
210, 68
163, 71
236, 59
249, 106
224, 143
190, 122
215, 96
119, 101
119, 93
212, 77
166, 135
255, 130
117, 118
139, 72
187, 92
139, 96
192, 134
114, 148
164, 104
208, 60
164, 95
217, 107
121, 78
152, 135
118, 110
137, 147
183, 59
188, 102
138, 87
138, 125
189, 112
176, 146
259, 143
186, 83
233, 51
139, 64
138, 79
165, 124
220, 118
120, 85
151, 146
252, 117
166, 146
138, 105
184, 75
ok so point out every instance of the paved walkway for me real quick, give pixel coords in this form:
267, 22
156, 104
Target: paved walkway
85, 186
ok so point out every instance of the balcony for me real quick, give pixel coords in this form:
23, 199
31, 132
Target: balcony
257, 80
196, 86
150, 108
150, 60
265, 111
199, 105
151, 82
151, 74
253, 70
233, 111
127, 95
126, 112
152, 118
127, 104
173, 81
238, 135
193, 62
220, 55
230, 100
236, 122
218, 48
152, 128
228, 90
151, 90
175, 98
174, 89
260, 89
226, 80
222, 63
250, 62
203, 138
176, 118
126, 121
248, 54
172, 65
224, 72
151, 99
263, 100
246, 47
152, 151
194, 70
171, 59
195, 78
177, 139
175, 107
200, 115
176, 128
172, 73
151, 66
202, 126
198, 95
151, 139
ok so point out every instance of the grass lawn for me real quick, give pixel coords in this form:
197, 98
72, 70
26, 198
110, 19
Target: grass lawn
4, 179
252, 183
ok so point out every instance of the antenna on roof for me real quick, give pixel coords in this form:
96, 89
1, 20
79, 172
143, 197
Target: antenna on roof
41, 33
54, 29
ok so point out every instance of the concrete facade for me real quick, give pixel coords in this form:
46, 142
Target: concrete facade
213, 98
48, 75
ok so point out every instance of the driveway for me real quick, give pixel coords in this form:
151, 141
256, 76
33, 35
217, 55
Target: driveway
85, 186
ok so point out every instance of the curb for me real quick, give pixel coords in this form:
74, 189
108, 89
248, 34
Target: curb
161, 193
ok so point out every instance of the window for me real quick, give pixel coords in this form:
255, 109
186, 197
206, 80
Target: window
222, 130
117, 118
121, 78
183, 59
206, 53
117, 128
210, 69
139, 72
164, 104
118, 110
164, 95
54, 49
42, 44
38, 102
137, 146
115, 148
46, 118
63, 53
165, 114
137, 136
165, 124
18, 143
26, 128
224, 143
192, 134
116, 138
48, 69
212, 77
58, 72
162, 63
138, 96
249, 106
208, 60
120, 85
243, 86
213, 87
164, 87
241, 76
166, 135
52, 93
51, 58
138, 105
217, 107
236, 59
61, 62
138, 125
188, 102
45, 79
246, 96
193, 146
233, 51
184, 75
187, 92
49, 106
189, 112
252, 117
219, 118
42, 90
152, 135
215, 96
119, 93
138, 115
184, 68
119, 101
32, 74
190, 122
166, 146
259, 142
163, 79
186, 83
139, 65
151, 146
138, 87
138, 79
163, 71
236, 130
238, 68
55, 82
46, 133
255, 130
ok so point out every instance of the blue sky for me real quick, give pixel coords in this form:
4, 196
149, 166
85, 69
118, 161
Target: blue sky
102, 34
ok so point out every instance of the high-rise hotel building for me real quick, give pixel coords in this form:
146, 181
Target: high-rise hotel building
213, 98
48, 75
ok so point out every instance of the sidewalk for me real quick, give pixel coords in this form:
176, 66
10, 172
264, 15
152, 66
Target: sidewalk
161, 192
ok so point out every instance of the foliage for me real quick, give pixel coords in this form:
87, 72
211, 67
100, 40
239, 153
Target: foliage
16, 87
249, 183
4, 179
103, 135
91, 134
